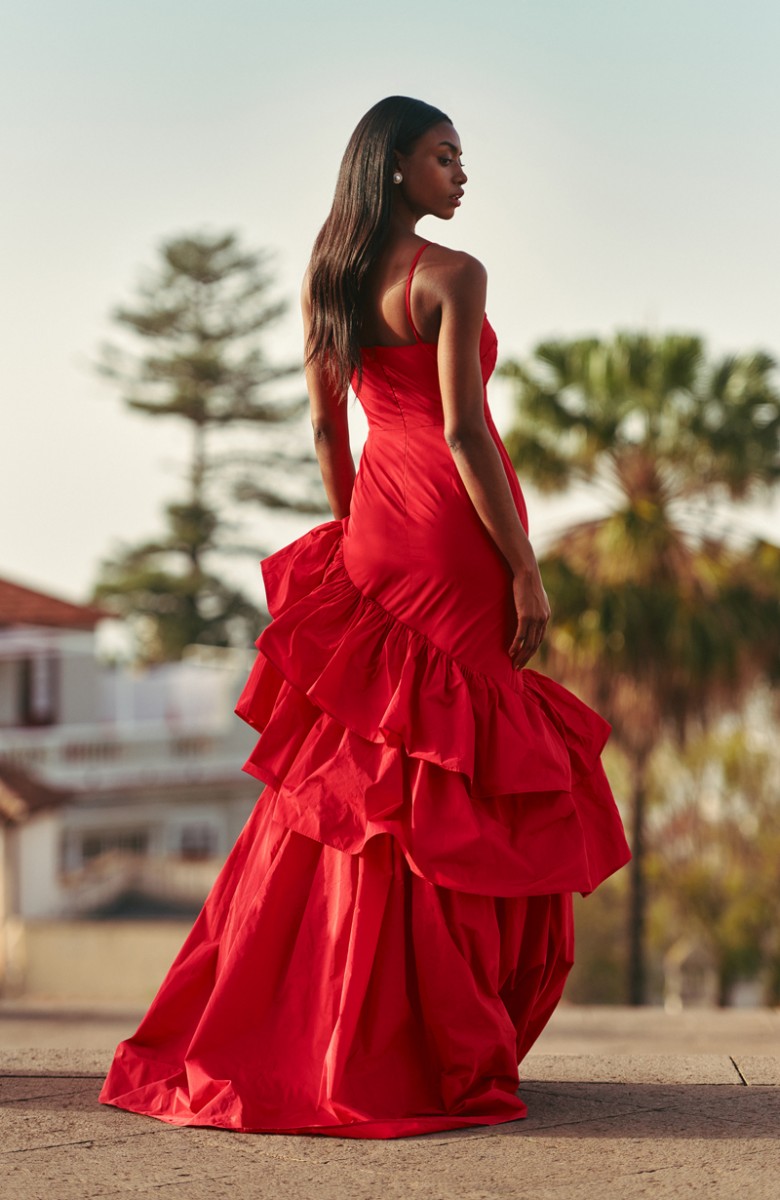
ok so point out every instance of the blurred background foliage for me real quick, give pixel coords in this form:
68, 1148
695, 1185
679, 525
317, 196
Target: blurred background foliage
664, 616
712, 852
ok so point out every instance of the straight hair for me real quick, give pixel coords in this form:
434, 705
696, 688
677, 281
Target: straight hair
355, 231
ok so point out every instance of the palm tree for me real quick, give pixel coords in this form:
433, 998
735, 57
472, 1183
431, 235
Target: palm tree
660, 615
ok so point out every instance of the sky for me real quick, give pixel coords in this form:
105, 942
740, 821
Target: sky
623, 174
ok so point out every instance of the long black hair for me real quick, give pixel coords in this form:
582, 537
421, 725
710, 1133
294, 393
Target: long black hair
349, 242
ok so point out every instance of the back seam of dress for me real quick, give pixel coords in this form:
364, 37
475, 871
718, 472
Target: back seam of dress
404, 478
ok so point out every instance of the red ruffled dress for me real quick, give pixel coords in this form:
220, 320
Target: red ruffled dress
393, 927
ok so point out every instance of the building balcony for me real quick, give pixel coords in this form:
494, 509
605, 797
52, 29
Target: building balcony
128, 754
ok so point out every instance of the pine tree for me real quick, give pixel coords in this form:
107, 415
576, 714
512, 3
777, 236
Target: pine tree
201, 319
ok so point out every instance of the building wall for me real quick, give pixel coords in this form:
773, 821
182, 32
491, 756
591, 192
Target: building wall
6, 898
94, 962
47, 676
78, 678
9, 692
38, 849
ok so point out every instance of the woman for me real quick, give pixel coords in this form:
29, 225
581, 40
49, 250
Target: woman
393, 927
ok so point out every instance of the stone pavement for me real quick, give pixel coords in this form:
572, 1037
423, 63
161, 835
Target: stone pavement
622, 1103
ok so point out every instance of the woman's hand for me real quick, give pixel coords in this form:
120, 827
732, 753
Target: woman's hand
533, 613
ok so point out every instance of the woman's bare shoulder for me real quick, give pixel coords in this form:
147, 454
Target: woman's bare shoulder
456, 263
454, 277
453, 274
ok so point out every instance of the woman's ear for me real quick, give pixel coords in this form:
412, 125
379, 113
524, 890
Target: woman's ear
398, 167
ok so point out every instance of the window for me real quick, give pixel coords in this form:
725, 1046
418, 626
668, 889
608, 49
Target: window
38, 683
198, 841
116, 841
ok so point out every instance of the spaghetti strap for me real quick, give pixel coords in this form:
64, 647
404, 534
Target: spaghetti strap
415, 261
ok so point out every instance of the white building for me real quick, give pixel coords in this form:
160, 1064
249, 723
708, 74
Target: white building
121, 791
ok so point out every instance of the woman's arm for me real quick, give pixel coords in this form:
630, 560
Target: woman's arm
331, 427
463, 286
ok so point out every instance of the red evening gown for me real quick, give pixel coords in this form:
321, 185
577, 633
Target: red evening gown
393, 927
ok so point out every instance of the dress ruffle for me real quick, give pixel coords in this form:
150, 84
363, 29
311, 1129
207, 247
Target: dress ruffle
340, 994
367, 727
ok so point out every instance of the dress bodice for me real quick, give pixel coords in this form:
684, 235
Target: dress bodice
400, 384
410, 512
399, 388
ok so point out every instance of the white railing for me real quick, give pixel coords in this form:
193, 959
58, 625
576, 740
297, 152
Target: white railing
163, 879
84, 755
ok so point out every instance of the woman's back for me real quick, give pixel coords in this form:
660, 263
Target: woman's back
385, 308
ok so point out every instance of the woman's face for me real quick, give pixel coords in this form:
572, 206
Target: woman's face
433, 174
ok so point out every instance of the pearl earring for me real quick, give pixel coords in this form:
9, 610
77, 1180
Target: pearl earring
397, 177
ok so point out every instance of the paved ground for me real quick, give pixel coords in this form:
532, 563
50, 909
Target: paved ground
623, 1104
572, 1030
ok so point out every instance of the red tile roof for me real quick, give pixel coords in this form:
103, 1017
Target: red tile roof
24, 606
